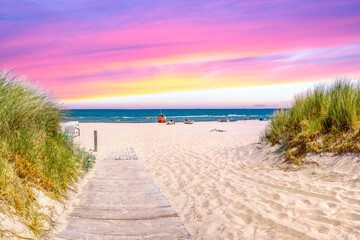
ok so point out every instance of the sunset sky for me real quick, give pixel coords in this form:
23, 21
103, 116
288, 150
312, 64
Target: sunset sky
179, 53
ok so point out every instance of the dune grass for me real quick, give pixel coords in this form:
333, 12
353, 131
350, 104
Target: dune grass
325, 119
34, 154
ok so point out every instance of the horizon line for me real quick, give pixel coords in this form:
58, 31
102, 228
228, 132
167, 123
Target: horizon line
169, 108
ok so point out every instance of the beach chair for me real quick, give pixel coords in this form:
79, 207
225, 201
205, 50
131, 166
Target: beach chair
72, 128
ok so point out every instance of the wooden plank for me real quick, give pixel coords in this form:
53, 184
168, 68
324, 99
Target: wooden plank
123, 154
125, 213
75, 235
129, 206
141, 189
120, 182
157, 200
121, 201
125, 227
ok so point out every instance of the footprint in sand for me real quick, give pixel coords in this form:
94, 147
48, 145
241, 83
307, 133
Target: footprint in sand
281, 215
276, 206
274, 196
331, 205
322, 229
306, 202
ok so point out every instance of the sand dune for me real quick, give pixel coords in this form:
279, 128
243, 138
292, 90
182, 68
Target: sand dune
224, 185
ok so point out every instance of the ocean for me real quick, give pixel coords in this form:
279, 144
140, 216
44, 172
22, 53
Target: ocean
178, 115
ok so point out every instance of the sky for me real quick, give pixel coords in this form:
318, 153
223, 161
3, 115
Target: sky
179, 53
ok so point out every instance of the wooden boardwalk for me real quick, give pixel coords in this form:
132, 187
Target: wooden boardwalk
121, 202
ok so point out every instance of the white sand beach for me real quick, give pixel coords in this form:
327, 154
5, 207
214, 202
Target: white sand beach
225, 185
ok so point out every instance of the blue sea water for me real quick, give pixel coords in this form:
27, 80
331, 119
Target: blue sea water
178, 115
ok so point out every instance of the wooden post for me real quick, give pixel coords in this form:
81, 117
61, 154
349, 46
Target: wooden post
95, 141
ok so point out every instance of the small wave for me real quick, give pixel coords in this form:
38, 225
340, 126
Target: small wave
236, 115
125, 117
219, 116
186, 116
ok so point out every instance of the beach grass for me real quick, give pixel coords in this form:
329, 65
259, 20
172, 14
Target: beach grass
324, 119
34, 154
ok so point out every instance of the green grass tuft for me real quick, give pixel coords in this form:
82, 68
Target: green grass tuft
33, 153
325, 119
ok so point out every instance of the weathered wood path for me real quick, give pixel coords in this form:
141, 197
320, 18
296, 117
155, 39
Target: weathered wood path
121, 202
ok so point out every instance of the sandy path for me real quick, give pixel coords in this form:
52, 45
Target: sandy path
219, 189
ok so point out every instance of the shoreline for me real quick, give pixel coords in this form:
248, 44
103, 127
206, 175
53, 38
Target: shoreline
250, 120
